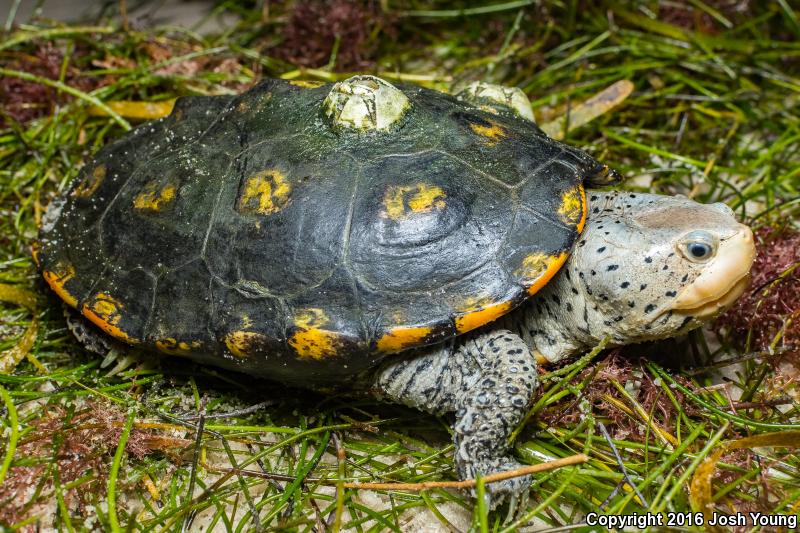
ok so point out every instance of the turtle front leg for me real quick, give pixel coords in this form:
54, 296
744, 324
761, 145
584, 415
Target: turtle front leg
488, 380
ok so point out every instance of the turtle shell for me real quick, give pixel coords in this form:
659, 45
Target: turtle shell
246, 232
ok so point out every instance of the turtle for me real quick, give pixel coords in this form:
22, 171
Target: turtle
430, 249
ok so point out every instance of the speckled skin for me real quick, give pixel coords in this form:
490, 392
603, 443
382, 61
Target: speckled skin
622, 282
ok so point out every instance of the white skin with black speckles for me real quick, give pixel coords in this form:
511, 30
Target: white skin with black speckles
632, 277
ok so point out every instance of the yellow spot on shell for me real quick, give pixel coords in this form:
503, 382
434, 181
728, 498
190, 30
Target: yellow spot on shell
573, 207
538, 268
240, 343
35, 252
90, 182
399, 200
106, 312
310, 341
155, 198
479, 313
493, 132
306, 84
264, 193
172, 346
57, 278
397, 339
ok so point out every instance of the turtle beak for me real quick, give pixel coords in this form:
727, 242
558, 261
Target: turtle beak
722, 281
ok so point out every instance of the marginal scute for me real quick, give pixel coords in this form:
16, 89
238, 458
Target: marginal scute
105, 311
498, 97
58, 277
311, 341
538, 268
172, 346
240, 343
365, 103
400, 338
479, 314
573, 207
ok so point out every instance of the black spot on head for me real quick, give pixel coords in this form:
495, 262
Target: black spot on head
593, 197
595, 210
574, 290
625, 284
618, 318
593, 273
650, 308
684, 278
632, 195
648, 259
569, 306
670, 293
601, 249
556, 299
631, 305
643, 286
583, 242
665, 267
686, 322
612, 267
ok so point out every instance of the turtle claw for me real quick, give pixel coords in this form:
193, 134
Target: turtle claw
517, 503
513, 490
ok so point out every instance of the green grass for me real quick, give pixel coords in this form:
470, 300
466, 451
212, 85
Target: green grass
714, 116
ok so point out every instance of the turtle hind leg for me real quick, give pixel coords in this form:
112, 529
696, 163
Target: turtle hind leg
98, 343
488, 380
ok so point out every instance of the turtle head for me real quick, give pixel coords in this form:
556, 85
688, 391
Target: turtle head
654, 266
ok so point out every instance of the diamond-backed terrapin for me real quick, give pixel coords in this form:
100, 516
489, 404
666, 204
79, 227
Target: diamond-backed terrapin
361, 235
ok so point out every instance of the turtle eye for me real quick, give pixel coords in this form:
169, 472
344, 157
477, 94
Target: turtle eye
699, 246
